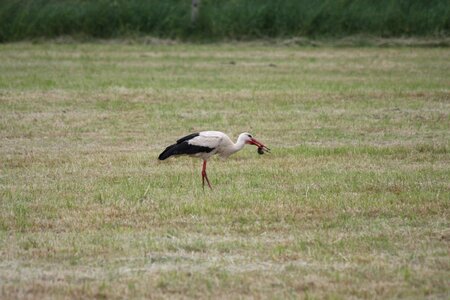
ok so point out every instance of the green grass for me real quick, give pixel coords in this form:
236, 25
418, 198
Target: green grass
353, 202
219, 20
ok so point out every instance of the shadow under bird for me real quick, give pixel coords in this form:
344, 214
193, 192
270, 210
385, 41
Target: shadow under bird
205, 144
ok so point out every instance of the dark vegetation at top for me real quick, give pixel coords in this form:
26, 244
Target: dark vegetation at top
223, 19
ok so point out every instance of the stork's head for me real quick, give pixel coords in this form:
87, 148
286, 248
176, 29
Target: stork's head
249, 139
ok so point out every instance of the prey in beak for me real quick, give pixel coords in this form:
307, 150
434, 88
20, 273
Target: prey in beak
261, 147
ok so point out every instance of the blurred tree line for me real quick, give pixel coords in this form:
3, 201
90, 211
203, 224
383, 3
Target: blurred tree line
222, 19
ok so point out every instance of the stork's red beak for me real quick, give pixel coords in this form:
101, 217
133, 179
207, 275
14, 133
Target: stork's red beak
258, 144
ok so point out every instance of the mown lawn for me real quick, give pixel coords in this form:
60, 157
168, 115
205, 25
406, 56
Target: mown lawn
353, 202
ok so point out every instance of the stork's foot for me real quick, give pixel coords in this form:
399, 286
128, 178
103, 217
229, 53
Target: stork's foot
204, 176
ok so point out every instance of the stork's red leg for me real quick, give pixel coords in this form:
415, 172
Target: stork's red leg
207, 181
204, 176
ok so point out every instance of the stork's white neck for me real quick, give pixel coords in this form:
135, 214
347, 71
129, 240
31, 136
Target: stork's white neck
239, 144
231, 147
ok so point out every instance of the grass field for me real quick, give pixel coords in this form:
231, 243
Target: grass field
353, 202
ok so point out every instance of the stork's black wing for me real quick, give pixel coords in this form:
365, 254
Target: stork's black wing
183, 147
188, 137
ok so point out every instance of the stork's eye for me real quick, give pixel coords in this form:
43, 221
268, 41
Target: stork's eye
250, 136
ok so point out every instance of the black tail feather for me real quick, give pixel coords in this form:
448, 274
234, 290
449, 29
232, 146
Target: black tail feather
169, 151
183, 148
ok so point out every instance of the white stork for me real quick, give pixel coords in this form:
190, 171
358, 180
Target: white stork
205, 144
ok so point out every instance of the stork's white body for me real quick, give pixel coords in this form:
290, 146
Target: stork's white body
218, 141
